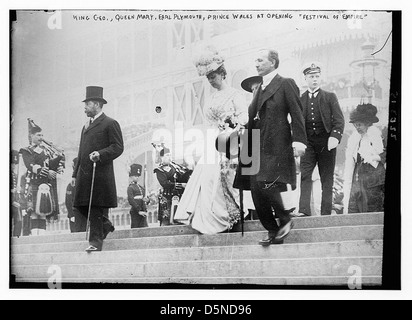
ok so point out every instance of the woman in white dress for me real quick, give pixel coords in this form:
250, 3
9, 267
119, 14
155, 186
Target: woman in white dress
364, 180
210, 203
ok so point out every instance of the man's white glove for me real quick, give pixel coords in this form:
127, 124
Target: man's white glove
298, 149
332, 143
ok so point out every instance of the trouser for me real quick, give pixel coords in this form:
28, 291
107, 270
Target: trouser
268, 204
80, 221
317, 153
16, 222
99, 224
26, 225
138, 221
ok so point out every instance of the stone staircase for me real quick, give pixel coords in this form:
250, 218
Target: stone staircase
320, 251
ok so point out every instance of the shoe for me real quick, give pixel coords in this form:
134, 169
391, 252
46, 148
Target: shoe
111, 229
270, 240
298, 214
284, 231
92, 248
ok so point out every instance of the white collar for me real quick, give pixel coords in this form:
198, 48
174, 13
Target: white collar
313, 93
96, 116
316, 90
268, 78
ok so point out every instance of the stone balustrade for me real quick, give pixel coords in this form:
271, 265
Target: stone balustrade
120, 217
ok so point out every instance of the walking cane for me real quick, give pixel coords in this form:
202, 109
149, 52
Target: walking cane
242, 214
90, 202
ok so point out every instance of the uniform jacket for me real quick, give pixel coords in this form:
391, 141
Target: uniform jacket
33, 156
105, 136
331, 113
135, 195
272, 106
166, 176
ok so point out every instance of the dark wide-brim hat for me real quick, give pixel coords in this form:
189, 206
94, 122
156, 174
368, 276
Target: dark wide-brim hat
94, 93
365, 113
228, 142
248, 83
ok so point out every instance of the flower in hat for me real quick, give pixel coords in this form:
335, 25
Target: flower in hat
210, 60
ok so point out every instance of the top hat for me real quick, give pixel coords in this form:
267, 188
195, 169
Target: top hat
164, 151
135, 170
14, 156
228, 143
95, 94
248, 83
365, 113
313, 67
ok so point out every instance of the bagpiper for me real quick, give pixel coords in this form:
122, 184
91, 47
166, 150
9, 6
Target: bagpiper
42, 165
137, 199
173, 178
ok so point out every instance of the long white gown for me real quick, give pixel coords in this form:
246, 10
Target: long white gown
209, 202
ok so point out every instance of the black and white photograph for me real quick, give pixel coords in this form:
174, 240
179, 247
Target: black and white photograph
205, 149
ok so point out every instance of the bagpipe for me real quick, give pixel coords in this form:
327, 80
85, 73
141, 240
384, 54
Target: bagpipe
46, 202
55, 154
169, 198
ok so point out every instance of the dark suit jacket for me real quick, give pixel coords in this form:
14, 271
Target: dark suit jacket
277, 163
331, 113
105, 136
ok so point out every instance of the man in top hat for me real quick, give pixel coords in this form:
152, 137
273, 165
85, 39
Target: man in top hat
137, 199
324, 128
41, 193
101, 142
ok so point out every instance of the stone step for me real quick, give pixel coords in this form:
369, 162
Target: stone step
330, 234
302, 267
286, 251
300, 223
252, 281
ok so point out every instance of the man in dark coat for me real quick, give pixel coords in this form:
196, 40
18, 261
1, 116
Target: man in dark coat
101, 142
274, 101
136, 198
324, 128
